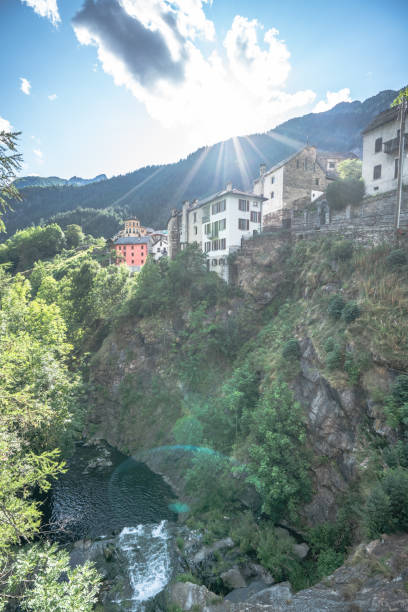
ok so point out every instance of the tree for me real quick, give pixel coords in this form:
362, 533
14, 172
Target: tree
345, 192
350, 169
10, 163
403, 95
74, 235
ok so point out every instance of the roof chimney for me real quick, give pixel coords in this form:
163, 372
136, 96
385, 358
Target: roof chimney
195, 202
262, 169
228, 187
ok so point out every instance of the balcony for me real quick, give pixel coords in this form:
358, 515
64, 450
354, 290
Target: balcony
392, 146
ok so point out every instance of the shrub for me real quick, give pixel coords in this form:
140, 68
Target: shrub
344, 192
328, 561
329, 345
350, 312
400, 390
188, 577
336, 305
343, 250
397, 259
291, 349
387, 505
334, 359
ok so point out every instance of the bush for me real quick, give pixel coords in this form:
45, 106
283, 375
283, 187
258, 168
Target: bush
350, 312
396, 259
344, 192
343, 250
400, 390
328, 561
291, 349
329, 345
334, 359
387, 505
336, 305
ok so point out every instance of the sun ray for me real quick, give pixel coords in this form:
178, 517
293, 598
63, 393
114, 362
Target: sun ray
256, 149
218, 165
136, 187
178, 194
242, 163
287, 140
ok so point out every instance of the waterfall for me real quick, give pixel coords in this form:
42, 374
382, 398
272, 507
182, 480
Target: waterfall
145, 551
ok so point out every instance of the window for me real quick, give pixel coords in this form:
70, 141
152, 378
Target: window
305, 163
195, 229
207, 229
218, 207
133, 261
378, 145
377, 172
331, 165
222, 262
207, 247
272, 195
317, 181
396, 168
213, 262
195, 218
222, 224
272, 180
243, 205
218, 245
297, 163
243, 224
255, 216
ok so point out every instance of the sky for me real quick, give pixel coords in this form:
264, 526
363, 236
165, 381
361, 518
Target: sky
108, 86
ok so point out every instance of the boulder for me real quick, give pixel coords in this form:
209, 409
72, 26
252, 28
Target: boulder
301, 550
190, 596
233, 579
206, 551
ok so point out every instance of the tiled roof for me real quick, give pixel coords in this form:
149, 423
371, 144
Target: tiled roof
391, 114
131, 240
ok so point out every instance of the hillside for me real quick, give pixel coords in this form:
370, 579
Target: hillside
55, 181
151, 192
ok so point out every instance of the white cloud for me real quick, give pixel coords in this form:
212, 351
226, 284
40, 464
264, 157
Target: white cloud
38, 153
5, 126
52, 97
25, 86
152, 48
332, 98
45, 8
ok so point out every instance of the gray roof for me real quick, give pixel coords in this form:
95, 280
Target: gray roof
131, 240
225, 192
391, 114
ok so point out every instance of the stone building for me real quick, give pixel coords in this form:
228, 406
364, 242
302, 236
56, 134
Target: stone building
218, 224
380, 153
303, 175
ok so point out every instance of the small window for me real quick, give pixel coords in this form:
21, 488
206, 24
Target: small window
214, 262
272, 195
207, 247
195, 217
195, 229
396, 168
243, 224
272, 180
317, 181
305, 163
255, 216
297, 163
243, 205
332, 165
377, 172
378, 145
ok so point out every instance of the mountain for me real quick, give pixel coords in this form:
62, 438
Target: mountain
151, 192
55, 181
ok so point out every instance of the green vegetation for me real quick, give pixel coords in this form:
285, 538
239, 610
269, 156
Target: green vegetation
343, 192
10, 163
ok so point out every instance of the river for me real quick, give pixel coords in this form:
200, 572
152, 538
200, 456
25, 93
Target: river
105, 494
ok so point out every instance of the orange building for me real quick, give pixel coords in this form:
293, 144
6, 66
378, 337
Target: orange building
132, 251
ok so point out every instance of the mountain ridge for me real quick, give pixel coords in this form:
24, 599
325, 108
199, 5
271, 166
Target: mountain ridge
150, 192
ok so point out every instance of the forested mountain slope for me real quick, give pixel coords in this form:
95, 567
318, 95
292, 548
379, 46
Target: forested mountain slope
151, 192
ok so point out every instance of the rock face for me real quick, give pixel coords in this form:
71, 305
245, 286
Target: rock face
189, 596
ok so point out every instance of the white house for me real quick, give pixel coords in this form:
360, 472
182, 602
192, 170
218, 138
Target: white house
159, 246
380, 153
218, 224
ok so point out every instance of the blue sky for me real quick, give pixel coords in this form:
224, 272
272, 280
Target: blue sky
136, 82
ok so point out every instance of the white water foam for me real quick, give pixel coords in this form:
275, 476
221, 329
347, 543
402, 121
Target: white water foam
146, 551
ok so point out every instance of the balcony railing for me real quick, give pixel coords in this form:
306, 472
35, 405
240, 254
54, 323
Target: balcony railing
392, 146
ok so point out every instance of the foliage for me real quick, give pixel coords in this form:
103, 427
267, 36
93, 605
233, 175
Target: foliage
291, 349
350, 312
334, 358
209, 480
188, 430
387, 504
350, 169
403, 95
335, 307
397, 259
49, 583
343, 250
74, 236
278, 460
187, 577
32, 244
10, 163
104, 223
345, 192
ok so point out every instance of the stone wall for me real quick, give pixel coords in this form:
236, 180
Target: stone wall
300, 175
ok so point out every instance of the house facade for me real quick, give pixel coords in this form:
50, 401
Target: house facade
159, 246
132, 251
305, 174
217, 224
380, 153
